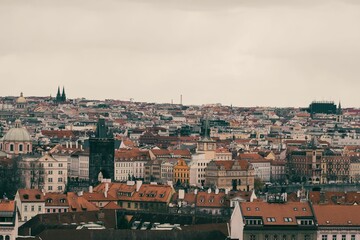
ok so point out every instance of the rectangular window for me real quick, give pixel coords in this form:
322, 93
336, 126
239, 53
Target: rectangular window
50, 188
60, 188
324, 237
343, 237
32, 208
39, 208
129, 205
252, 237
352, 237
50, 172
60, 179
60, 164
50, 164
25, 208
50, 179
333, 237
60, 172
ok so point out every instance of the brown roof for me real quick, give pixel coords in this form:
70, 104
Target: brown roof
205, 199
278, 211
7, 206
228, 164
31, 195
79, 203
337, 215
335, 198
146, 193
56, 199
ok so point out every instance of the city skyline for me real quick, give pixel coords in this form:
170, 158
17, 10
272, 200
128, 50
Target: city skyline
241, 53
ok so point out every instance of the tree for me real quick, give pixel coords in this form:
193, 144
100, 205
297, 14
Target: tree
258, 184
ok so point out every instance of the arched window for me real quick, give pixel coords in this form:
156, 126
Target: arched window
21, 148
1, 237
7, 237
11, 147
0, 146
28, 147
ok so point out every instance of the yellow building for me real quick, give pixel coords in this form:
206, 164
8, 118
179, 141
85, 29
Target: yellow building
181, 172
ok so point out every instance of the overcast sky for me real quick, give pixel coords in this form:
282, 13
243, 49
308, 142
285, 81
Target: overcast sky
240, 52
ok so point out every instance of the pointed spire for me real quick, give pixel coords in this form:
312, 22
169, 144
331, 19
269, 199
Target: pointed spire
339, 109
63, 96
58, 96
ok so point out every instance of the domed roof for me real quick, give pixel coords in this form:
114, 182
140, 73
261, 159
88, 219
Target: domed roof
21, 99
17, 134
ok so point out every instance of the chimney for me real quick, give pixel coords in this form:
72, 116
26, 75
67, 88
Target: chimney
138, 185
209, 190
106, 189
80, 193
70, 144
76, 144
181, 194
90, 189
195, 191
216, 191
67, 144
226, 191
43, 191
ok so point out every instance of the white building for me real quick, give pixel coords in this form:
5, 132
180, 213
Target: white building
79, 165
197, 169
44, 172
30, 202
262, 169
167, 170
130, 163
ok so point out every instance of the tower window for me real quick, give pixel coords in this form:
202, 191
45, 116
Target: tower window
21, 148
11, 147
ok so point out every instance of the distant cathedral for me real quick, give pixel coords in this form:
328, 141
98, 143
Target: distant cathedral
60, 98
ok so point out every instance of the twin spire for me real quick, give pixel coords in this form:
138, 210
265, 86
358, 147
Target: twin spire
60, 98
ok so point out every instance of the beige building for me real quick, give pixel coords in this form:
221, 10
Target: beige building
44, 172
30, 202
238, 174
354, 171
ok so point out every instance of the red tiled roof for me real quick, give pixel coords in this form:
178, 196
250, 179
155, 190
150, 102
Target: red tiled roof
337, 215
31, 195
278, 211
7, 206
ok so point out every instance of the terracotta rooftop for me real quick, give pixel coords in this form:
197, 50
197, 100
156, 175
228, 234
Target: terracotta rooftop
7, 206
276, 211
337, 215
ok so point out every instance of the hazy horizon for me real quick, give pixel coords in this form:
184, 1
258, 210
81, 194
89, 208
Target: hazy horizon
276, 53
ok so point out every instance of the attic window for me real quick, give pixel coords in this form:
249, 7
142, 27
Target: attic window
26, 196
37, 196
141, 194
222, 201
257, 209
327, 221
304, 209
49, 200
248, 208
161, 195
349, 222
295, 209
288, 219
201, 199
62, 200
271, 219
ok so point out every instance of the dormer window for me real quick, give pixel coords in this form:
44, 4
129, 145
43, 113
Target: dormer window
37, 196
288, 219
49, 200
26, 196
62, 200
271, 219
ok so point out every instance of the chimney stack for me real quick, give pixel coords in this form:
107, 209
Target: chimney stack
90, 189
181, 194
209, 190
216, 191
138, 185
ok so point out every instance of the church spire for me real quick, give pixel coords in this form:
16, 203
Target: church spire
339, 109
58, 96
63, 96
